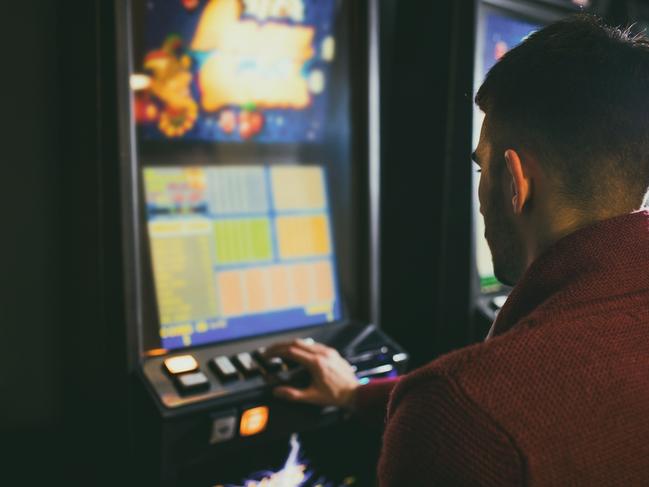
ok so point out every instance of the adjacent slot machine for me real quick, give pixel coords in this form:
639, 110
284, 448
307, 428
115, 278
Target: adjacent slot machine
498, 29
500, 26
249, 163
472, 295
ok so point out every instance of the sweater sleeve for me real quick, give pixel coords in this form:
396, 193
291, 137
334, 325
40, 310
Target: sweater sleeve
371, 403
436, 436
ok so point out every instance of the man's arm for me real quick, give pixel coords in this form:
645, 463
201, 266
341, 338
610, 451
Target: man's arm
333, 381
371, 401
434, 433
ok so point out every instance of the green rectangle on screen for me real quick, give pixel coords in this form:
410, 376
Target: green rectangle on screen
243, 240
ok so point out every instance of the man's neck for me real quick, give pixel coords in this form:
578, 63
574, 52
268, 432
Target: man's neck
557, 223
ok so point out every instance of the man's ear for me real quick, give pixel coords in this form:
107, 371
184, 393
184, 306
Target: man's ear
520, 183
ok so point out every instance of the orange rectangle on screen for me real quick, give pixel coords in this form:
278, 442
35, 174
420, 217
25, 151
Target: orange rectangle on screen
302, 284
231, 293
256, 290
324, 281
303, 236
279, 287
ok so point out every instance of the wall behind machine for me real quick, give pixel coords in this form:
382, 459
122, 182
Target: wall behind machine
60, 352
30, 319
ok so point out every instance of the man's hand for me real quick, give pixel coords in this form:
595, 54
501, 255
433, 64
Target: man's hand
333, 382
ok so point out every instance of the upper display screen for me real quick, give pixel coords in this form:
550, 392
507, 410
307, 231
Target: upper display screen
235, 70
239, 251
499, 32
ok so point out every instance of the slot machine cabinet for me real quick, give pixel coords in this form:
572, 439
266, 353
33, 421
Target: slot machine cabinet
472, 294
414, 112
250, 209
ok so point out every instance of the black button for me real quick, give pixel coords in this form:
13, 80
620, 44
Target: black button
291, 364
192, 382
224, 368
246, 364
271, 364
274, 364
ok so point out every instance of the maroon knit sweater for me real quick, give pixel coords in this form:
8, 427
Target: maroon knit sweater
560, 394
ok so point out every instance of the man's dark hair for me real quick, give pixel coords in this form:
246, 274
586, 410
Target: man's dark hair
576, 95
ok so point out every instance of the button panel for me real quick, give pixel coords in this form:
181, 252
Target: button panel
227, 374
276, 370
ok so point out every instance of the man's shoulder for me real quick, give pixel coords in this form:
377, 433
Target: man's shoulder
551, 364
544, 345
474, 364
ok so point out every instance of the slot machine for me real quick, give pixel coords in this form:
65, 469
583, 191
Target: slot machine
249, 169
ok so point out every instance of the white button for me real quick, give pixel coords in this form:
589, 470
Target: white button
181, 364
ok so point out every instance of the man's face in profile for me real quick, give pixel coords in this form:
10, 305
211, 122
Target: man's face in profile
495, 196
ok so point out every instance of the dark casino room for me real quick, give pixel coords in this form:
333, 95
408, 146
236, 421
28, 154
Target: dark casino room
325, 243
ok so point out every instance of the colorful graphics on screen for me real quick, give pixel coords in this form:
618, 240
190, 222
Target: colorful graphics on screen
500, 33
239, 251
235, 70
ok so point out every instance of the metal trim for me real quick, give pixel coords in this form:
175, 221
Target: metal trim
129, 177
374, 156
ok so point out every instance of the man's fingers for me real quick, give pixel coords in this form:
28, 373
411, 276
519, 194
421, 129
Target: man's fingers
308, 345
276, 348
313, 346
302, 357
290, 393
308, 395
281, 348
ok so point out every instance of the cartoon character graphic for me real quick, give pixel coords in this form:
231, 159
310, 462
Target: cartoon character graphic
247, 122
171, 79
250, 121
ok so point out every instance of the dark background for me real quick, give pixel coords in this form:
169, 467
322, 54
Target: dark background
62, 409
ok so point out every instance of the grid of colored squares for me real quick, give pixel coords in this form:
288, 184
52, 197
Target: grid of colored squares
234, 190
239, 242
250, 239
275, 287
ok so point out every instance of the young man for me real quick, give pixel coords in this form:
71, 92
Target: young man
559, 392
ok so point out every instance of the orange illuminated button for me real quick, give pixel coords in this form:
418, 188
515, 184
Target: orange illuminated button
254, 421
181, 364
